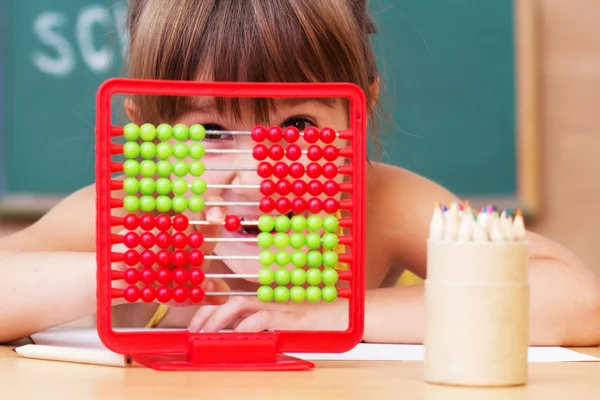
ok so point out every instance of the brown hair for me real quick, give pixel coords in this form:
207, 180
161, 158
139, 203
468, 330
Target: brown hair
249, 40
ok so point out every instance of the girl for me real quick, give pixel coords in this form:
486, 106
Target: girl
48, 270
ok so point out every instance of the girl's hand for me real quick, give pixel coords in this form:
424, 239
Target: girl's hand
248, 314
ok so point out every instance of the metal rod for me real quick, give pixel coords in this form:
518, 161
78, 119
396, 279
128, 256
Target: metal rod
230, 294
231, 169
215, 239
230, 186
244, 223
337, 134
231, 258
227, 276
232, 203
236, 151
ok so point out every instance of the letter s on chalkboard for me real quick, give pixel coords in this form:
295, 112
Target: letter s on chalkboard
44, 28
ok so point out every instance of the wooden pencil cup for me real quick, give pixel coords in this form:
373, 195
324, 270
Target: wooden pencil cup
477, 313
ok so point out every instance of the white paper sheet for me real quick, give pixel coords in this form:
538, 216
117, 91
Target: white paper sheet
88, 338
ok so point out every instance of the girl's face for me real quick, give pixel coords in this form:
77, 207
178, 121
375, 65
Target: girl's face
298, 114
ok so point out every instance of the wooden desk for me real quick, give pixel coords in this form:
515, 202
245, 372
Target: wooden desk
47, 380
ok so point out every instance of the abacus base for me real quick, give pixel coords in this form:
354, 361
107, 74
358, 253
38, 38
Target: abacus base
181, 362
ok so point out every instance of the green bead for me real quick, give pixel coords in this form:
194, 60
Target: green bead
266, 258
313, 276
297, 240
148, 150
266, 276
330, 259
179, 204
164, 132
147, 186
281, 294
313, 294
147, 203
163, 204
131, 150
197, 168
266, 223
329, 293
196, 204
314, 223
180, 150
148, 132
180, 168
131, 203
199, 186
264, 240
179, 186
313, 241
131, 131
163, 186
264, 294
298, 223
282, 276
131, 185
314, 258
196, 151
181, 132
197, 132
164, 150
282, 258
281, 240
298, 276
329, 276
331, 223
297, 294
148, 168
329, 240
131, 168
164, 168
282, 223
299, 258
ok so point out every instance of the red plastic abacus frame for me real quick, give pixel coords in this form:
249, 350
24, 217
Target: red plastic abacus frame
182, 350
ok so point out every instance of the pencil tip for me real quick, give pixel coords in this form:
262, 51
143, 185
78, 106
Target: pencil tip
15, 350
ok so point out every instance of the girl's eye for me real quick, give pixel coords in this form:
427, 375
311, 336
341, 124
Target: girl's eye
300, 123
213, 136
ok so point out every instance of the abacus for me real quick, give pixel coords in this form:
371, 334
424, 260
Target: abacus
159, 168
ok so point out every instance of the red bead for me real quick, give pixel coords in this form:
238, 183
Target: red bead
180, 223
296, 170
131, 275
148, 294
132, 294
330, 153
131, 240
180, 294
315, 188
180, 258
180, 275
291, 134
299, 205
260, 152
331, 206
314, 153
280, 170
258, 134
314, 170
283, 187
315, 205
196, 276
267, 187
180, 240
163, 276
131, 222
148, 275
276, 152
163, 222
163, 240
331, 188
275, 134
196, 294
163, 294
330, 171
293, 152
283, 205
196, 258
147, 240
311, 134
147, 222
264, 169
299, 188
163, 258
232, 223
131, 258
328, 135
266, 205
196, 240
147, 258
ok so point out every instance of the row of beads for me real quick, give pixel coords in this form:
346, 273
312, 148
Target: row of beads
297, 240
298, 223
148, 203
163, 186
163, 240
163, 151
297, 276
284, 187
163, 294
149, 222
299, 258
296, 294
163, 132
298, 205
296, 170
293, 152
163, 258
291, 134
148, 168
163, 276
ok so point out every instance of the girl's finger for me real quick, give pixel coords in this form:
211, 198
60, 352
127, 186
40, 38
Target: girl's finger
216, 285
199, 317
228, 313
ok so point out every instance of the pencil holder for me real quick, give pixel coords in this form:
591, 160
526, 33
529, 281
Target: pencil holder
477, 306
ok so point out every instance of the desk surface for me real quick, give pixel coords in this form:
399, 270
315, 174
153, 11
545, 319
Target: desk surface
33, 379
